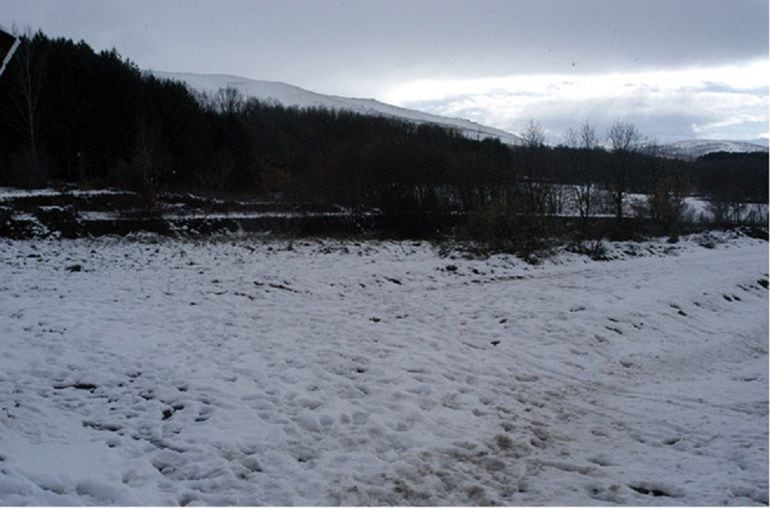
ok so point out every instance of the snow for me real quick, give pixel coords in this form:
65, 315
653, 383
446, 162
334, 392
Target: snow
113, 216
697, 148
8, 193
697, 208
154, 371
292, 96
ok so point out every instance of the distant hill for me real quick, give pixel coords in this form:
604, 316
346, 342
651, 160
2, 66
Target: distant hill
692, 149
292, 96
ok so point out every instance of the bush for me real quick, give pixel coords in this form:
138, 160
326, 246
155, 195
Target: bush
595, 249
503, 228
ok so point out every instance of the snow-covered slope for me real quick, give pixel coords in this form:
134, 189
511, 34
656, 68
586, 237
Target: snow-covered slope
690, 149
291, 96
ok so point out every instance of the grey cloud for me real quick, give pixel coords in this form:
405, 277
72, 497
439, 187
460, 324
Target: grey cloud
312, 42
660, 118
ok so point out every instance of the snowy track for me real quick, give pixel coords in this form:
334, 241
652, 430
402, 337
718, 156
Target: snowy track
238, 372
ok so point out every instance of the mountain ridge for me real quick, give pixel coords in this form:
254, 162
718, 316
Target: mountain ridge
691, 149
289, 95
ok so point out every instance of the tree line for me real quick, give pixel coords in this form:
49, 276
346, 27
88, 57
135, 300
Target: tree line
70, 114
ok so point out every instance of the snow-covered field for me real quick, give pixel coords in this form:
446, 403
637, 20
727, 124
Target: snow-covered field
160, 371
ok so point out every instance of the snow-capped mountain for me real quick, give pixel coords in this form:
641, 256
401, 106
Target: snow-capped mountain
690, 149
292, 96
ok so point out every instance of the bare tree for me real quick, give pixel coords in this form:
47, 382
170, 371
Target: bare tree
536, 185
149, 161
583, 139
624, 140
229, 100
533, 135
571, 138
587, 136
624, 137
27, 78
204, 99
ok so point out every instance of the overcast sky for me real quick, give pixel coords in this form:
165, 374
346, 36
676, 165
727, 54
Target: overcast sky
677, 68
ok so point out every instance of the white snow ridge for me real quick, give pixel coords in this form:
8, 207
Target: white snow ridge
691, 149
291, 96
154, 371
